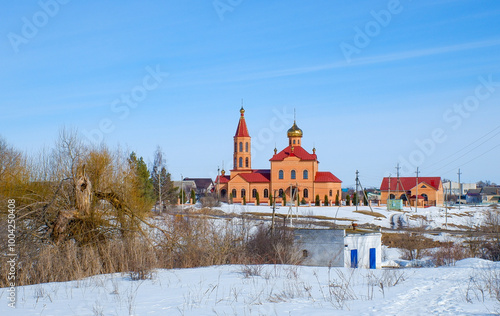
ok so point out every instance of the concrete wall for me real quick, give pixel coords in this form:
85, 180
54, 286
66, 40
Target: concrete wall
363, 243
325, 247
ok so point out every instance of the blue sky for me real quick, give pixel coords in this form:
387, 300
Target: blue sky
373, 83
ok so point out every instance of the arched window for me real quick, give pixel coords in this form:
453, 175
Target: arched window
243, 193
235, 164
233, 193
292, 174
246, 162
241, 147
305, 175
235, 146
403, 197
246, 147
266, 193
280, 194
294, 141
223, 193
392, 197
280, 174
331, 193
306, 193
426, 198
254, 193
241, 162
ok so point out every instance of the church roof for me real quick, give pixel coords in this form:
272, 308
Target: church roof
326, 176
409, 183
241, 130
223, 179
298, 151
257, 176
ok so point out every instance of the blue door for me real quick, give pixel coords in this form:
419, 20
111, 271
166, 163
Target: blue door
373, 258
354, 258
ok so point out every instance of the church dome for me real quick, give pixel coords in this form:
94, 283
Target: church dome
294, 131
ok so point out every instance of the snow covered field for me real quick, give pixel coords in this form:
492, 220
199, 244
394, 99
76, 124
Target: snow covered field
430, 217
271, 290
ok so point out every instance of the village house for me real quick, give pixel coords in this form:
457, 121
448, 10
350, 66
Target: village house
294, 173
430, 190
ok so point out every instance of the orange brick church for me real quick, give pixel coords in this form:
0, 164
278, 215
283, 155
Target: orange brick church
294, 173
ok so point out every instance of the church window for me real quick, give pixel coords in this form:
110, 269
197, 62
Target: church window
294, 141
266, 193
305, 175
254, 193
280, 194
306, 193
241, 162
246, 162
246, 147
292, 174
235, 164
241, 147
233, 193
331, 193
235, 146
243, 193
280, 174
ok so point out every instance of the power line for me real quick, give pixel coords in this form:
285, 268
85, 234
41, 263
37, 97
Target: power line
466, 152
465, 147
473, 159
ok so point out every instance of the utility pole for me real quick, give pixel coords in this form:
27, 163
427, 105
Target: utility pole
459, 190
218, 185
182, 192
416, 194
388, 193
357, 195
159, 188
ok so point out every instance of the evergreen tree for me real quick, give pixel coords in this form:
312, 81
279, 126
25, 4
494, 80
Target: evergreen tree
284, 198
318, 201
337, 202
365, 199
142, 182
347, 200
231, 198
193, 197
270, 199
303, 202
297, 199
182, 196
244, 200
355, 198
326, 202
257, 198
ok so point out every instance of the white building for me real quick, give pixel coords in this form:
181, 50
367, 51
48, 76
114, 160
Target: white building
455, 188
339, 247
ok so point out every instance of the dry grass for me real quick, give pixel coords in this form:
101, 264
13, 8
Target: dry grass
370, 213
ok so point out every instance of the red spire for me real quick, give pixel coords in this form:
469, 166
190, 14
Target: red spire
241, 130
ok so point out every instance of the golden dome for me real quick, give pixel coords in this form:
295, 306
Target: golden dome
294, 131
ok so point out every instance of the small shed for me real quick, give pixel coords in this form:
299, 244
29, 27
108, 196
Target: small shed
339, 247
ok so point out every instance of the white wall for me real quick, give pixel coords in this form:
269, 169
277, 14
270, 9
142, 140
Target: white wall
363, 243
324, 246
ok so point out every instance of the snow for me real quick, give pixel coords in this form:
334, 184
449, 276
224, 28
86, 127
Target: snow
268, 290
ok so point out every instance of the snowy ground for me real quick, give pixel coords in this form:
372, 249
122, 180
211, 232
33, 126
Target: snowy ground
431, 217
270, 290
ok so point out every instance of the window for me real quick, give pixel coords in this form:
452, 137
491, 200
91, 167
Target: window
235, 164
292, 175
305, 254
392, 197
266, 193
331, 192
280, 194
243, 193
233, 193
235, 146
246, 162
246, 147
305, 175
223, 193
241, 147
306, 193
241, 162
254, 193
280, 174
294, 141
